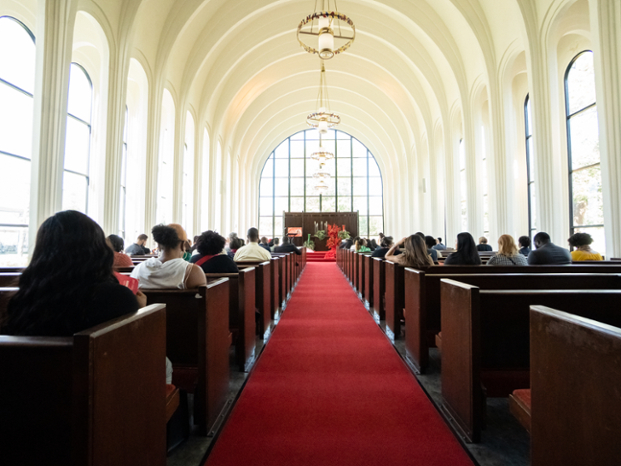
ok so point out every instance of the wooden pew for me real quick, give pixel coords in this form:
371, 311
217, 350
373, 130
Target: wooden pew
12, 269
9, 279
97, 398
263, 295
275, 287
362, 272
485, 343
379, 284
394, 298
285, 274
576, 413
368, 280
241, 313
423, 308
197, 343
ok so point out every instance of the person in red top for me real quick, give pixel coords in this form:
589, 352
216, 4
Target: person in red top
120, 259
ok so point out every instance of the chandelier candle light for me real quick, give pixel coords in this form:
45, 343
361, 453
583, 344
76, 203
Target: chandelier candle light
322, 25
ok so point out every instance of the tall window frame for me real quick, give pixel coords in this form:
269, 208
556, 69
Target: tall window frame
530, 169
76, 172
286, 183
17, 77
583, 157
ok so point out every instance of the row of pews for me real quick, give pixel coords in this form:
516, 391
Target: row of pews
100, 398
547, 337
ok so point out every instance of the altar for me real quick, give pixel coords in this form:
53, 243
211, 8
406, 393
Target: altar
311, 222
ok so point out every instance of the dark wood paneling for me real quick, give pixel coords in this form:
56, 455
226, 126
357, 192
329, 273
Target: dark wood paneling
307, 220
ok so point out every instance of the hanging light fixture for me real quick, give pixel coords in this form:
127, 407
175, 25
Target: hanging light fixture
322, 24
323, 119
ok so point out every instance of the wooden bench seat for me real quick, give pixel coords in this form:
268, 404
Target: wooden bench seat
422, 298
379, 288
97, 398
519, 405
263, 295
241, 313
485, 342
575, 380
197, 343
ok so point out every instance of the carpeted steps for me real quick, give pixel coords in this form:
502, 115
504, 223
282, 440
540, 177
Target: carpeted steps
318, 256
329, 389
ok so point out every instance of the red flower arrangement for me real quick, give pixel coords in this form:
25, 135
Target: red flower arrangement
333, 241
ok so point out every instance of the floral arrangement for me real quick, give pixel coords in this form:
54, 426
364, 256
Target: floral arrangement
344, 234
321, 234
336, 236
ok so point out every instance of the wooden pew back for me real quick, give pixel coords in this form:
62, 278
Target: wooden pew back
263, 294
379, 283
576, 414
423, 304
368, 279
197, 329
485, 342
96, 398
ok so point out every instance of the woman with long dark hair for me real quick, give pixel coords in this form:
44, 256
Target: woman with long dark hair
69, 285
117, 244
466, 253
414, 254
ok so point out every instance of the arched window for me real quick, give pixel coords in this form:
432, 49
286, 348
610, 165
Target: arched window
530, 170
287, 183
78, 140
463, 186
123, 188
187, 219
585, 180
17, 76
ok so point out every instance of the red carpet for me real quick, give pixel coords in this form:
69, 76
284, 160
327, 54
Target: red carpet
330, 390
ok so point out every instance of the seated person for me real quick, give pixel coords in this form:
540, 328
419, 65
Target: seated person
275, 244
347, 244
430, 242
372, 245
169, 270
139, 248
524, 242
252, 252
414, 254
465, 251
507, 253
361, 246
234, 244
211, 257
582, 243
439, 246
265, 244
483, 246
384, 247
548, 252
287, 247
62, 293
120, 259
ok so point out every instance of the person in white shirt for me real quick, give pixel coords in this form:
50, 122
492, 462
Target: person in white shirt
252, 252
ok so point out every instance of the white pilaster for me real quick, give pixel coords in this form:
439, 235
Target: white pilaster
605, 20
54, 35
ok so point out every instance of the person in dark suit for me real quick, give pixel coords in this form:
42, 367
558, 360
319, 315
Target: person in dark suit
483, 246
286, 246
548, 252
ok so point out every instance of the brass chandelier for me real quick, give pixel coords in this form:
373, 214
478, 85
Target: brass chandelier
322, 24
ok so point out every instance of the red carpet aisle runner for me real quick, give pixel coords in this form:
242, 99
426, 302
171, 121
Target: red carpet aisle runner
330, 390
318, 256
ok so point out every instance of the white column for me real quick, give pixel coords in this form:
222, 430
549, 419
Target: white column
473, 197
198, 207
117, 101
605, 20
453, 206
55, 22
499, 183
180, 119
153, 150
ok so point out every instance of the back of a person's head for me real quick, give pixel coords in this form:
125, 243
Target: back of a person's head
373, 244
430, 241
253, 235
196, 238
232, 235
524, 241
235, 244
264, 240
415, 253
506, 245
210, 243
542, 238
166, 236
285, 240
580, 239
71, 257
180, 231
482, 240
142, 237
276, 241
467, 249
439, 240
386, 242
116, 243
421, 234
